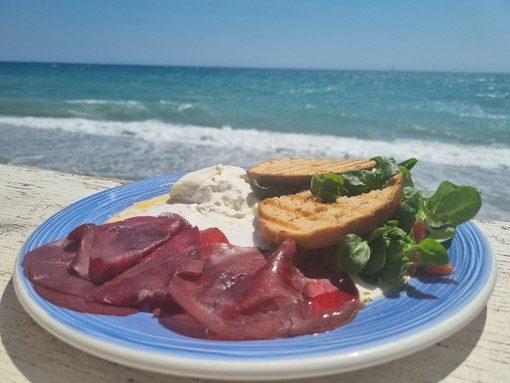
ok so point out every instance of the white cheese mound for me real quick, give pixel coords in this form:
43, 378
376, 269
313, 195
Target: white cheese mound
220, 189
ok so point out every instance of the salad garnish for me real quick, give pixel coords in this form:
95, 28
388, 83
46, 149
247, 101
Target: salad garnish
418, 235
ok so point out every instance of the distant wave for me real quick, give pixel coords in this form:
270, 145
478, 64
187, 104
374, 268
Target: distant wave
179, 106
104, 102
118, 109
253, 143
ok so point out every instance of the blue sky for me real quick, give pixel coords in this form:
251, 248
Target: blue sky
448, 35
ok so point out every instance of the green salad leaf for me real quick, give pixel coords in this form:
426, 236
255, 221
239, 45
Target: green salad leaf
268, 191
353, 254
389, 251
432, 252
327, 187
454, 204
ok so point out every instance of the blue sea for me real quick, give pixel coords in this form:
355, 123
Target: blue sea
136, 122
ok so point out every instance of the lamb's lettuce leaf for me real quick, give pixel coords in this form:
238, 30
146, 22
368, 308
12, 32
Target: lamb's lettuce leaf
268, 191
389, 251
327, 187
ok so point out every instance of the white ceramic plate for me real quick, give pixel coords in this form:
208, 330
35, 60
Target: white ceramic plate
390, 327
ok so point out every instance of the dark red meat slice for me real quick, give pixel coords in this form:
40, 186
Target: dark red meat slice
80, 304
195, 281
241, 296
47, 267
183, 323
145, 285
81, 261
109, 249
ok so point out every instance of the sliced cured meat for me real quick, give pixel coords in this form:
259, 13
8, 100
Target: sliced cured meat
48, 266
84, 237
195, 282
80, 304
240, 296
182, 323
109, 249
145, 285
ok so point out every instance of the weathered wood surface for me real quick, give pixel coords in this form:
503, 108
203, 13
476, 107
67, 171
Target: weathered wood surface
480, 352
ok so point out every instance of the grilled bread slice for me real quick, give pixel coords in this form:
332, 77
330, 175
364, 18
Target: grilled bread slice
313, 224
299, 171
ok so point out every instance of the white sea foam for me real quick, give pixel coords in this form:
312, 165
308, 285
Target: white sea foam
254, 143
93, 101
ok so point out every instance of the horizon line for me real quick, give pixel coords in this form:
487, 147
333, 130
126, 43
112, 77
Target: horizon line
212, 66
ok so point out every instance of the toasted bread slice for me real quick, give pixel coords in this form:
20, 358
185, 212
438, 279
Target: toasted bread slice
296, 171
314, 225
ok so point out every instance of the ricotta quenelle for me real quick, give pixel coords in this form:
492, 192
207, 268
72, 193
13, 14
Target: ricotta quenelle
217, 196
217, 189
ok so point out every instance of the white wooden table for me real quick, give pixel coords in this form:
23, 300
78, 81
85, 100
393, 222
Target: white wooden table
479, 352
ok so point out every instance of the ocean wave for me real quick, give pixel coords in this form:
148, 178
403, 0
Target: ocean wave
88, 108
493, 95
179, 106
104, 102
457, 109
252, 144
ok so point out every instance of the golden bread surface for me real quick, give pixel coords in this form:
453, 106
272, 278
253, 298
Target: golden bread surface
313, 224
293, 171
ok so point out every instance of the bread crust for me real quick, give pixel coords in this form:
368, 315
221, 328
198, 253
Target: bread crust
314, 225
297, 171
